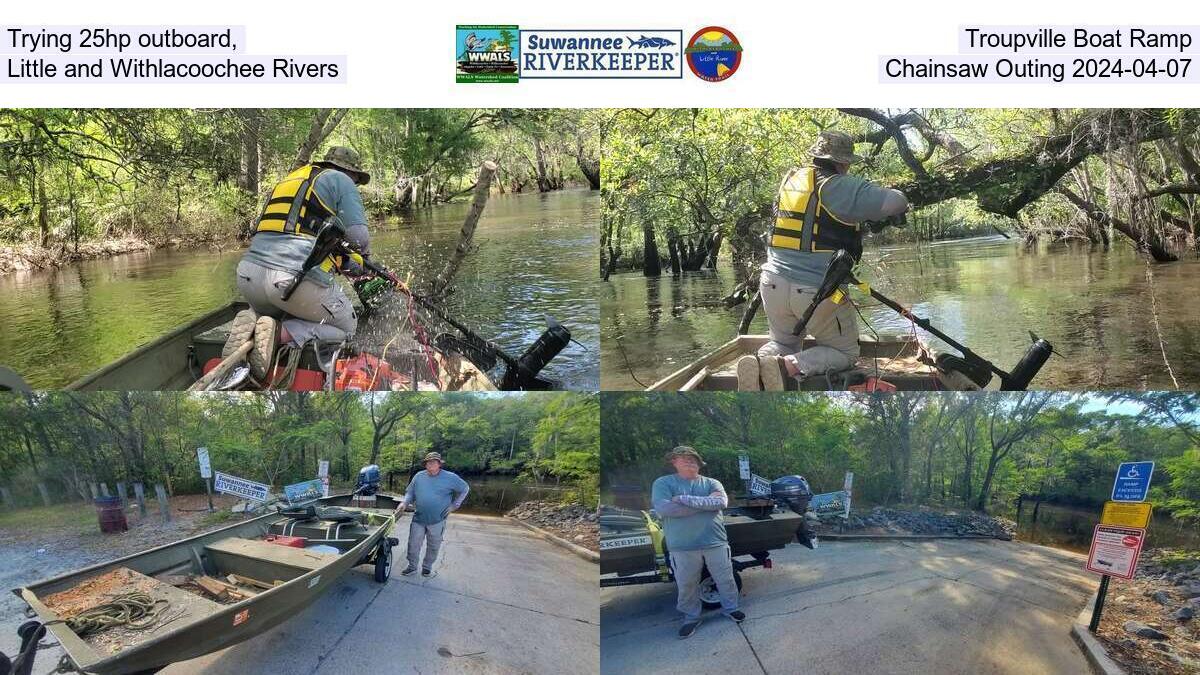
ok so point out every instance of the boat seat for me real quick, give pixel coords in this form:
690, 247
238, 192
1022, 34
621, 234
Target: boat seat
263, 560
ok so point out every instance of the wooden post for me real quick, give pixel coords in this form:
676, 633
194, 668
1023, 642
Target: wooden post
139, 492
104, 490
44, 492
6, 497
121, 492
478, 200
164, 507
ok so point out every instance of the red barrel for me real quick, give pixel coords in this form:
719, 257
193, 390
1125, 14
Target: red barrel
111, 515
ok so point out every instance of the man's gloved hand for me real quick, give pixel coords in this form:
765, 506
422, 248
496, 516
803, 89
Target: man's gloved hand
898, 220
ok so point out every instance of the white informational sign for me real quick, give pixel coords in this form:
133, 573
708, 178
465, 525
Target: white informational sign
744, 467
323, 474
848, 488
205, 465
1115, 550
759, 485
240, 487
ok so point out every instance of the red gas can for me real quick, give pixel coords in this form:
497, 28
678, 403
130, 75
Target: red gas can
294, 542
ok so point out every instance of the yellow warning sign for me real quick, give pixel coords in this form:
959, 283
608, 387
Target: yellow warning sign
1126, 514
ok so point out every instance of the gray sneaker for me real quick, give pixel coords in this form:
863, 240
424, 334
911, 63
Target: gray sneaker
688, 629
773, 372
428, 574
266, 341
409, 570
748, 373
240, 331
737, 615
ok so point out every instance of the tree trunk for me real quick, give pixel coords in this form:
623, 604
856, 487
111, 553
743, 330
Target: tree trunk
1149, 241
43, 216
251, 137
673, 245
323, 124
651, 265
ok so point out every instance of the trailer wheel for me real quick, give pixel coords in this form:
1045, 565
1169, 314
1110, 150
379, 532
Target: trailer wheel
710, 597
383, 563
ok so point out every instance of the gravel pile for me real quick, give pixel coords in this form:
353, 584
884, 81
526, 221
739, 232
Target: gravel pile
921, 521
575, 523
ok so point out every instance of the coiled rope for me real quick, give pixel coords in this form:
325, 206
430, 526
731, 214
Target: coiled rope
135, 610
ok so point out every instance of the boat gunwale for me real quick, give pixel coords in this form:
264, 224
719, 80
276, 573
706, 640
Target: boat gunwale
476, 377
684, 375
94, 659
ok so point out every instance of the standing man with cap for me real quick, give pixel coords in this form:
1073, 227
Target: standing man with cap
283, 237
819, 210
690, 506
437, 493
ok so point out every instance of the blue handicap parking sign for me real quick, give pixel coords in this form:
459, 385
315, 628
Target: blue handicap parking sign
1133, 481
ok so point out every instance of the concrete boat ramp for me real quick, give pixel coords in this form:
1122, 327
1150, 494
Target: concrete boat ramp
940, 606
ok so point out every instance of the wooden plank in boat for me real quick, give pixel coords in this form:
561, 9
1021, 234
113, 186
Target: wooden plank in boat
276, 553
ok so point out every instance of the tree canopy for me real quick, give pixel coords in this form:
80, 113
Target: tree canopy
193, 175
695, 179
67, 441
979, 450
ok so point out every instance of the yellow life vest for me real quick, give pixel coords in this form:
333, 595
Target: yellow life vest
295, 208
802, 223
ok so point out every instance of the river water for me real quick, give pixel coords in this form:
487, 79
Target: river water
1094, 306
535, 257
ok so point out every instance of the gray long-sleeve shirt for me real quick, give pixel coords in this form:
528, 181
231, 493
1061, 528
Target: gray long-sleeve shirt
695, 521
435, 496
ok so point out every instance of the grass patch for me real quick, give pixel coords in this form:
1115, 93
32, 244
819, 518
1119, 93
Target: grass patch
71, 515
216, 518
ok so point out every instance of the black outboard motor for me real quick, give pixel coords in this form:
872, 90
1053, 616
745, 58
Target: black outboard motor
1029, 365
368, 481
523, 374
792, 491
30, 632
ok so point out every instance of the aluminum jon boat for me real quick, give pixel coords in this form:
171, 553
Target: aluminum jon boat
265, 570
175, 360
905, 362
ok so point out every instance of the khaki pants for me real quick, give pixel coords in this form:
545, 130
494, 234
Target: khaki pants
688, 566
833, 326
431, 536
313, 312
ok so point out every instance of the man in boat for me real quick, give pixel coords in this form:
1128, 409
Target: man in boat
690, 507
804, 236
286, 231
437, 493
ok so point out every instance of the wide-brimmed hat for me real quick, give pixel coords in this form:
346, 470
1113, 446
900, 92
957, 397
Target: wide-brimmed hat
432, 457
341, 157
835, 146
684, 451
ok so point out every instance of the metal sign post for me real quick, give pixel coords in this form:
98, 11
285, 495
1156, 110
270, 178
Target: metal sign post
323, 474
1118, 539
206, 474
744, 470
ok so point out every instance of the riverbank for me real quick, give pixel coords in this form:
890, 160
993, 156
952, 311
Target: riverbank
1151, 624
919, 520
577, 524
29, 257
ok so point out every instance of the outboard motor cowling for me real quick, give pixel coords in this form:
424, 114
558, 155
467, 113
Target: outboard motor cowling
793, 491
368, 480
1029, 365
